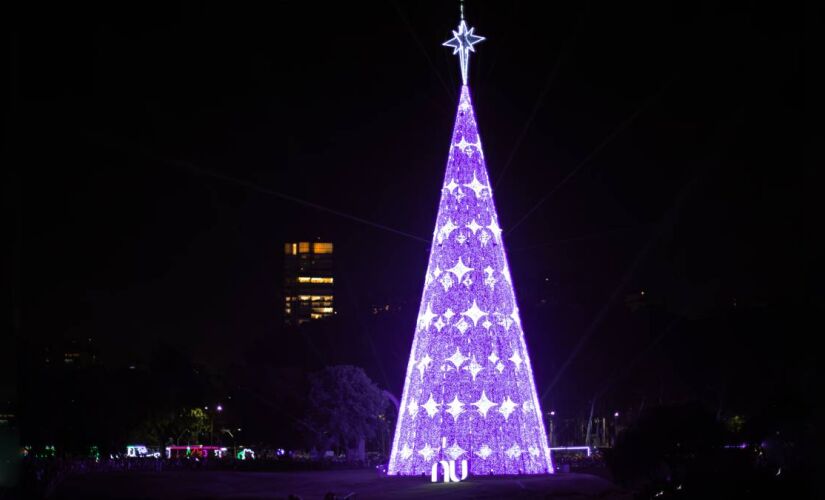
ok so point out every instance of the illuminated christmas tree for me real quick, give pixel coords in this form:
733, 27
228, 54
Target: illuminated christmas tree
469, 392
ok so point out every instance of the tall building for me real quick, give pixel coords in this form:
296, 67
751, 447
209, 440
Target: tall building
308, 281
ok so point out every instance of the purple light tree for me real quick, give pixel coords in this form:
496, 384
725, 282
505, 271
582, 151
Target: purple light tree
469, 392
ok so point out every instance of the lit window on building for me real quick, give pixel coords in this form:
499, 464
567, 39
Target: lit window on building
322, 247
314, 279
303, 247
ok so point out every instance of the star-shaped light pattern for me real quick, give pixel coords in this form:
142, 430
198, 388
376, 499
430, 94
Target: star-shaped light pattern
516, 359
474, 368
425, 318
456, 408
427, 452
406, 452
478, 187
474, 313
457, 358
446, 230
455, 451
474, 226
465, 386
484, 452
460, 269
515, 317
507, 407
514, 451
496, 230
483, 404
462, 43
431, 406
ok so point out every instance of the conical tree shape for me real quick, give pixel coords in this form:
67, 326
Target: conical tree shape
469, 392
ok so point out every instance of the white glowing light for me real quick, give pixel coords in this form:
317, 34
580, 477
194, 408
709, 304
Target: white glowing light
456, 409
474, 313
460, 269
406, 451
483, 404
412, 407
431, 406
484, 452
477, 187
514, 451
462, 43
457, 358
427, 452
516, 359
474, 368
423, 364
474, 226
426, 318
507, 407
455, 451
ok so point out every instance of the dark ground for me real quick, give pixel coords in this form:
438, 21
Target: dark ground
364, 483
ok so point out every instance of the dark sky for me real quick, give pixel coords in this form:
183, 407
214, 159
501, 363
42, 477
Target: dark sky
151, 142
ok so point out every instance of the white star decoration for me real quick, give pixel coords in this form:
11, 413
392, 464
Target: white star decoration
460, 269
495, 229
406, 452
455, 451
425, 318
474, 313
451, 186
462, 43
427, 452
478, 187
483, 404
515, 317
514, 451
461, 238
462, 325
445, 230
507, 407
473, 226
493, 357
474, 368
423, 364
457, 358
412, 407
449, 314
439, 324
431, 406
500, 367
456, 408
484, 452
464, 146
487, 324
516, 359
534, 451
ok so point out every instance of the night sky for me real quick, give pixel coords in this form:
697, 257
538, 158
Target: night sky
633, 147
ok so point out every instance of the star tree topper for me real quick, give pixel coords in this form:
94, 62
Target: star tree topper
462, 43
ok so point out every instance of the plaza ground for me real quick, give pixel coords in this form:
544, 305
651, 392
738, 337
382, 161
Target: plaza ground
307, 485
